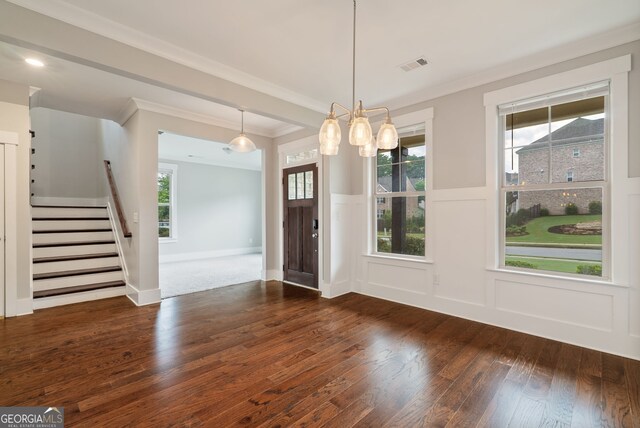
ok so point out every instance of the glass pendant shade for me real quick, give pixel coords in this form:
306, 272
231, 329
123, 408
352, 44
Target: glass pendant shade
242, 144
387, 136
329, 149
330, 133
360, 133
368, 150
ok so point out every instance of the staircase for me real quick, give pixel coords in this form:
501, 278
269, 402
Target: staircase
75, 257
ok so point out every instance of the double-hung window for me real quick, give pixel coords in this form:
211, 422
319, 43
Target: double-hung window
167, 223
554, 181
399, 196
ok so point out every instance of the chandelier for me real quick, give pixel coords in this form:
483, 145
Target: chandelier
360, 132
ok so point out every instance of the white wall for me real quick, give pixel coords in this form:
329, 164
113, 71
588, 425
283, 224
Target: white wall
66, 154
460, 281
14, 117
219, 211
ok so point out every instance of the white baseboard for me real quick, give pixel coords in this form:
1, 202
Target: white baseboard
24, 306
144, 297
199, 255
85, 296
272, 275
332, 290
50, 200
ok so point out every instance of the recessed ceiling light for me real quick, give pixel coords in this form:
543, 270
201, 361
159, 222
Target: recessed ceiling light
34, 62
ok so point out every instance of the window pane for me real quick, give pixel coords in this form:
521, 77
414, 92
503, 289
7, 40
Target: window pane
291, 194
577, 141
526, 154
164, 187
384, 171
400, 225
164, 221
300, 185
309, 154
308, 183
555, 230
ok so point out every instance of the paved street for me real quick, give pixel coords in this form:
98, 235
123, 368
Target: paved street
558, 253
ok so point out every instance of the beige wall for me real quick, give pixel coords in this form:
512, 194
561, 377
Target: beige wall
459, 121
14, 117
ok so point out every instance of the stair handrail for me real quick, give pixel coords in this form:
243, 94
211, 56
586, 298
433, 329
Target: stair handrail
116, 200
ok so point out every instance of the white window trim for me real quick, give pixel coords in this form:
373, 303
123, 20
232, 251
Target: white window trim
616, 70
173, 170
421, 116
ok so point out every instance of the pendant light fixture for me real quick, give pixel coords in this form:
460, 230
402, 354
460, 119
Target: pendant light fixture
360, 132
242, 143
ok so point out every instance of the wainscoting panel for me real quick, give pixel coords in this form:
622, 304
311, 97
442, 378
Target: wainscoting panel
578, 308
634, 265
459, 250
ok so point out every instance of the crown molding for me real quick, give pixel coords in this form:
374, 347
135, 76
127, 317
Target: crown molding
532, 62
135, 104
81, 18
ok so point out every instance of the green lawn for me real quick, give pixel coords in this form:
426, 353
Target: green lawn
538, 230
555, 265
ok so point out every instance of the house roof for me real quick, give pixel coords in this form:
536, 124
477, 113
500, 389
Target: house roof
578, 131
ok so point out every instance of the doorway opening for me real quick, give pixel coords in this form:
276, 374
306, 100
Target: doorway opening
210, 216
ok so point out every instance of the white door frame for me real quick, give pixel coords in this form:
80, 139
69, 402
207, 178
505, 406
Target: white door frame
294, 147
9, 296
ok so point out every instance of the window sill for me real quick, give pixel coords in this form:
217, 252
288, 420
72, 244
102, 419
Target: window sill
167, 240
399, 258
557, 277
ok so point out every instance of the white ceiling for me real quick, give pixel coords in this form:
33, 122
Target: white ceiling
300, 50
188, 149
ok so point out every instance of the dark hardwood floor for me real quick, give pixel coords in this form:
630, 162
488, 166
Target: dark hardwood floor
273, 355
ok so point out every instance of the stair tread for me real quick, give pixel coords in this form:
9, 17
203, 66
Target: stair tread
69, 244
69, 218
68, 206
78, 289
74, 230
74, 257
76, 272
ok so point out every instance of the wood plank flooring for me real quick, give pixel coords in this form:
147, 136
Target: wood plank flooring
273, 355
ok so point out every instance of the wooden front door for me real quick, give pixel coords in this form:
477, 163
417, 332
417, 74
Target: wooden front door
300, 190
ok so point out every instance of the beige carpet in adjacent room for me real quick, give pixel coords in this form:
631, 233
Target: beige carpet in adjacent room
191, 276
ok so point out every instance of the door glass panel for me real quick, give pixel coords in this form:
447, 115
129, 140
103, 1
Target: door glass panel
292, 187
308, 184
300, 180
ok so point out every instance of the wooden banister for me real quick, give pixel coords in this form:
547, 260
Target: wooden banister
116, 200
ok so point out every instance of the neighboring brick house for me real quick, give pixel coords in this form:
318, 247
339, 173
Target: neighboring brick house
383, 203
577, 154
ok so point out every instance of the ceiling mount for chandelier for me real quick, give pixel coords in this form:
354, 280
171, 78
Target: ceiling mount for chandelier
360, 132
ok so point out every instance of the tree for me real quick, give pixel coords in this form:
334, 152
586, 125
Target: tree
164, 186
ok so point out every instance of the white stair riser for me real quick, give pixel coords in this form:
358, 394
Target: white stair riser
49, 238
75, 264
71, 224
71, 281
73, 250
68, 212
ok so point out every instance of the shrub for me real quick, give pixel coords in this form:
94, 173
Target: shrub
571, 209
414, 246
595, 207
520, 264
384, 245
595, 270
516, 230
523, 215
544, 212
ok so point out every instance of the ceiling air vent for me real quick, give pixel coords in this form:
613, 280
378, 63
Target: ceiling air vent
413, 64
